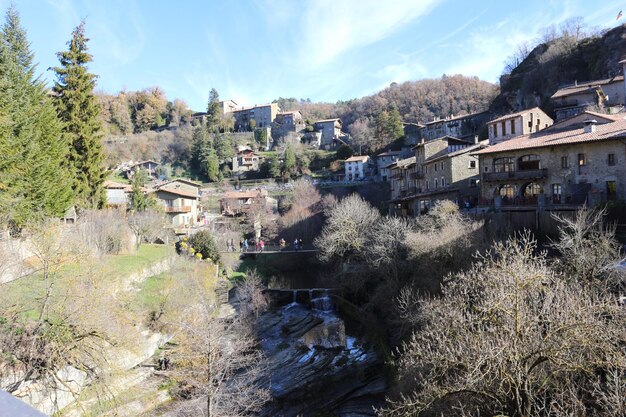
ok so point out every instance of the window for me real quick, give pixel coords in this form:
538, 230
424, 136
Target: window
495, 130
442, 166
528, 162
443, 182
611, 159
611, 190
472, 165
564, 162
532, 190
513, 126
436, 183
486, 169
503, 129
582, 160
472, 183
507, 192
557, 192
503, 165
435, 167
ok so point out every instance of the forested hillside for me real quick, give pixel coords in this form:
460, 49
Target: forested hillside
420, 100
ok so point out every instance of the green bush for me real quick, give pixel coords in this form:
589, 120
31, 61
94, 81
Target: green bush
203, 243
344, 152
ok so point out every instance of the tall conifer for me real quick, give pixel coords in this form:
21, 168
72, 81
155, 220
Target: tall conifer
79, 110
34, 183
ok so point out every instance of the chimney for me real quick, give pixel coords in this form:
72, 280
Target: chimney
590, 125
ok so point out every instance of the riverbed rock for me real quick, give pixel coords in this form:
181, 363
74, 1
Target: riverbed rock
316, 367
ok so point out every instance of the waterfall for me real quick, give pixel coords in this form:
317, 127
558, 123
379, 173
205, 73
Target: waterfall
323, 303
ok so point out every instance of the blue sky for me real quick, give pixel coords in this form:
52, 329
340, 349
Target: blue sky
254, 51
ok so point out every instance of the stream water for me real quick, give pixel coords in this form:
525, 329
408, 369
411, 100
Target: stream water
316, 365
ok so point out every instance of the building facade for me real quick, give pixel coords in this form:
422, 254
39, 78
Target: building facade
356, 168
263, 116
383, 160
287, 122
245, 161
180, 201
462, 127
516, 124
331, 132
556, 168
573, 99
445, 169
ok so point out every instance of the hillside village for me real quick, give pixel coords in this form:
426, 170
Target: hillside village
443, 246
517, 162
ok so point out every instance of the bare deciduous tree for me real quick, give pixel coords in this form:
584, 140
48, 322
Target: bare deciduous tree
147, 226
513, 337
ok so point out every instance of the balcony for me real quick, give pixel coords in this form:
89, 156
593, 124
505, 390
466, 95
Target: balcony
178, 209
528, 174
417, 175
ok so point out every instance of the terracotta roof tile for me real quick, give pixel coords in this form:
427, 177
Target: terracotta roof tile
608, 131
585, 87
358, 158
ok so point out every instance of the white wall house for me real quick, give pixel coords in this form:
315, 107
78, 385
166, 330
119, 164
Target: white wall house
356, 167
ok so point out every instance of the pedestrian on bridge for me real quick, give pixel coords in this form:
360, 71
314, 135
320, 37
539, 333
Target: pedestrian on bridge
245, 245
262, 245
295, 244
240, 245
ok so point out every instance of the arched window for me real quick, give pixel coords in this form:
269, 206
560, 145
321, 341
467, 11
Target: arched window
503, 165
507, 191
528, 162
532, 190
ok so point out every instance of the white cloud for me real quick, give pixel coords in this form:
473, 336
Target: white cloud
330, 28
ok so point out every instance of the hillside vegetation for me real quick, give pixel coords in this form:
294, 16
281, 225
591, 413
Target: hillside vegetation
560, 60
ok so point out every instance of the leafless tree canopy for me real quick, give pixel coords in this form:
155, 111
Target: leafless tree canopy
513, 337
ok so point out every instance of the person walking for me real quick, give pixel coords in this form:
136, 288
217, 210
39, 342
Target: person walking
295, 244
262, 245
281, 243
232, 244
300, 245
245, 245
240, 245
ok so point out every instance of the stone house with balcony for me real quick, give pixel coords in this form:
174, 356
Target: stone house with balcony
556, 169
462, 127
516, 124
403, 179
263, 116
180, 200
331, 133
573, 99
245, 161
445, 170
357, 168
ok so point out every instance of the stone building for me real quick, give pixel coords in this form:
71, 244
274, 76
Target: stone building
331, 133
228, 106
557, 168
287, 122
445, 170
462, 127
245, 161
403, 181
515, 124
263, 116
383, 161
573, 99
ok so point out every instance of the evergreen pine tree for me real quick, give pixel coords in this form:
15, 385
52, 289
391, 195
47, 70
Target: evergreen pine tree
212, 167
201, 148
290, 161
381, 128
213, 111
33, 179
138, 200
274, 166
79, 110
395, 128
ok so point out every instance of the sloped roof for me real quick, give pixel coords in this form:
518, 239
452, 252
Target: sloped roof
238, 195
450, 119
389, 153
112, 185
519, 113
608, 117
585, 87
608, 131
327, 120
403, 163
358, 158
459, 152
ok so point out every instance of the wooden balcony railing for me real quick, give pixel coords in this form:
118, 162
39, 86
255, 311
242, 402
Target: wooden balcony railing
178, 209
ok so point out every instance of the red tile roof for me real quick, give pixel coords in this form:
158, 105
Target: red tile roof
177, 191
608, 131
238, 195
358, 158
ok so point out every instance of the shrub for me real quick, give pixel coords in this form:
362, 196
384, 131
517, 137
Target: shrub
204, 243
